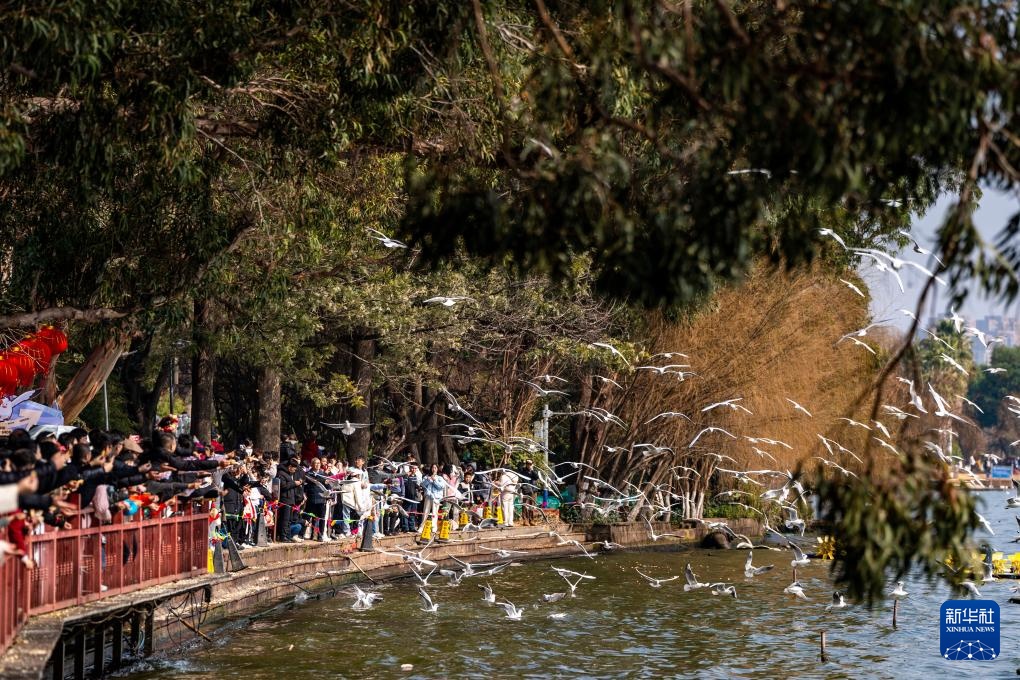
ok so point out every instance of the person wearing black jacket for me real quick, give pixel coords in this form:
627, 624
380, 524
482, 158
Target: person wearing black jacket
316, 495
412, 498
288, 499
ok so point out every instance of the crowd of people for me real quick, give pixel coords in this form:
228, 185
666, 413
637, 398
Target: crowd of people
301, 497
298, 492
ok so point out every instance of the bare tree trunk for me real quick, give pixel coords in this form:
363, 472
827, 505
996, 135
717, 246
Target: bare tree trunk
430, 451
91, 376
361, 376
203, 371
49, 386
267, 437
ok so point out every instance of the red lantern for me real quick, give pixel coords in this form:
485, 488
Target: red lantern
23, 363
40, 353
8, 378
54, 337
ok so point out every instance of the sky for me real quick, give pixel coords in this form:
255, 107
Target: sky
994, 210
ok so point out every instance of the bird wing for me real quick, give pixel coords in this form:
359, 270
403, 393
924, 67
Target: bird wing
689, 575
425, 597
797, 552
750, 558
645, 576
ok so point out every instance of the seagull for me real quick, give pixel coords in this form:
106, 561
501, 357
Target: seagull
455, 577
711, 429
917, 247
838, 601
513, 612
834, 236
554, 597
542, 391
882, 428
655, 582
794, 522
971, 588
862, 344
972, 404
942, 411
799, 558
487, 594
654, 536
750, 571
798, 407
898, 592
606, 345
548, 378
956, 319
446, 301
995, 369
430, 606
347, 427
386, 240
663, 370
669, 414
853, 287
729, 403
897, 413
503, 552
796, 590
853, 422
609, 545
915, 398
955, 364
985, 523
608, 381
364, 600
692, 580
724, 589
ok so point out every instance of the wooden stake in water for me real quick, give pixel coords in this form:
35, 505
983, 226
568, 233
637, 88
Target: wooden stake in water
824, 657
895, 611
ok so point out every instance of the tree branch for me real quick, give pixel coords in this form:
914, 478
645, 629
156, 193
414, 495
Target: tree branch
52, 314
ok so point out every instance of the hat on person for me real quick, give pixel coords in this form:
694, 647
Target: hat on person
529, 462
131, 445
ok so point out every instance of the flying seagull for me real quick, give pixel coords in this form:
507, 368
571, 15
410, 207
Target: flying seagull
347, 427
750, 570
692, 580
655, 582
446, 301
513, 612
798, 407
386, 240
429, 605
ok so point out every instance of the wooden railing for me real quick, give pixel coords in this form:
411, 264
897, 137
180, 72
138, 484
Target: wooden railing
92, 561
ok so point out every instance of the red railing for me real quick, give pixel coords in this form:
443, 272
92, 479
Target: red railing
91, 561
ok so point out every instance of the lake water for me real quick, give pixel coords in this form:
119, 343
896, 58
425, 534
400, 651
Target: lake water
616, 627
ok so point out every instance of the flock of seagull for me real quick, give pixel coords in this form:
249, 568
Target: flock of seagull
774, 487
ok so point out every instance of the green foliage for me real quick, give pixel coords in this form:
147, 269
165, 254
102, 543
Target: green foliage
896, 518
988, 390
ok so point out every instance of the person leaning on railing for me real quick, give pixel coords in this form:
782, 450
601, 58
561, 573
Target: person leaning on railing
102, 470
